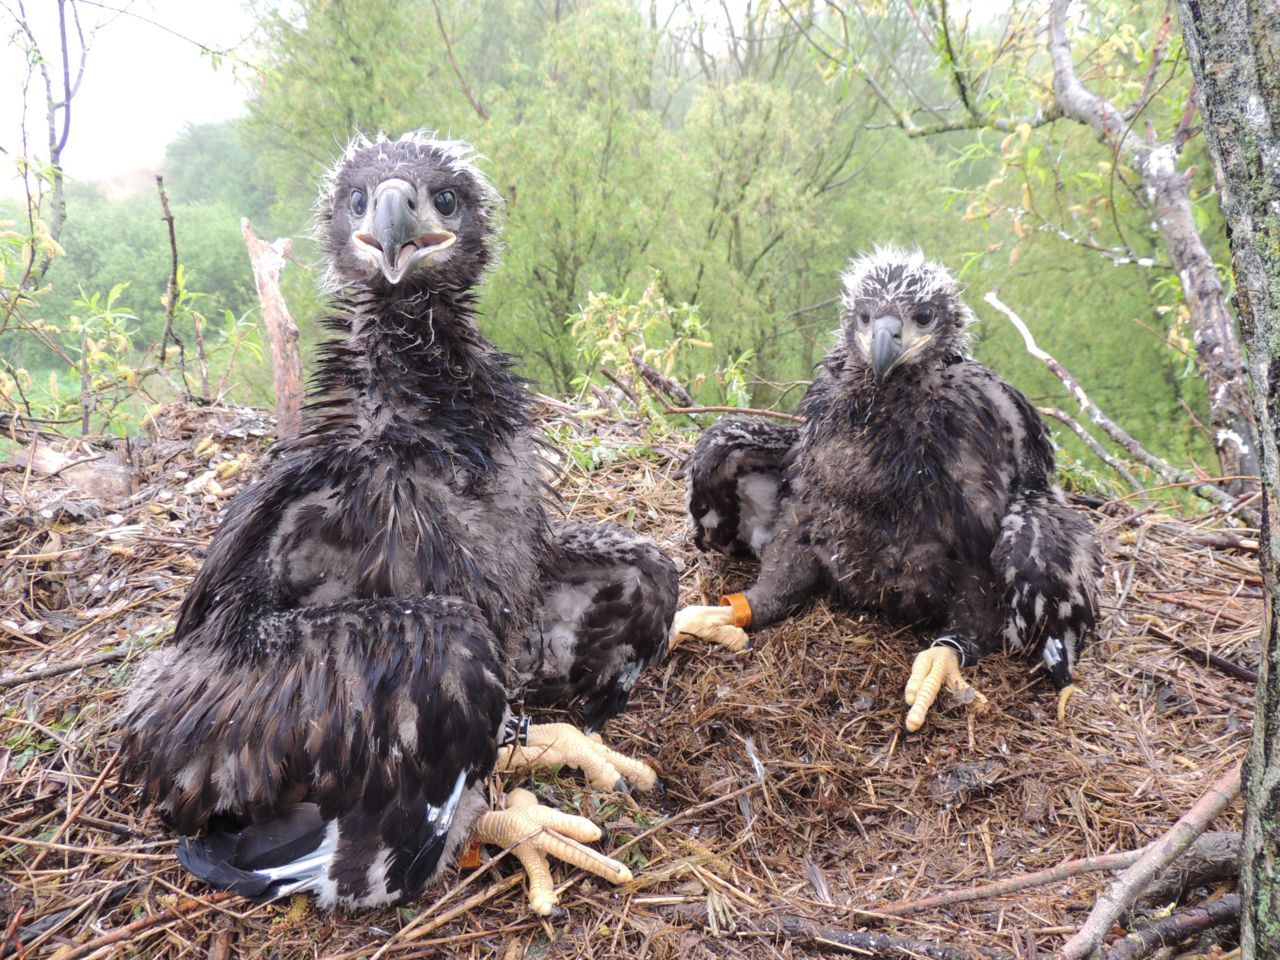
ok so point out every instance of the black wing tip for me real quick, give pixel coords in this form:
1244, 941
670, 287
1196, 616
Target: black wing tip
204, 859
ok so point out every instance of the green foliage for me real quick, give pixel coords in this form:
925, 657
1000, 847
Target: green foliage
650, 336
212, 165
728, 177
590, 452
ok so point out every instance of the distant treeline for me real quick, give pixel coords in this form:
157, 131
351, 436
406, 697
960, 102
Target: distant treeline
738, 167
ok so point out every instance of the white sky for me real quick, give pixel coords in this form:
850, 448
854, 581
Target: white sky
141, 85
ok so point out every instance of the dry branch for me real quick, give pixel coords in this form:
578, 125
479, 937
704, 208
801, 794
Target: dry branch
171, 292
664, 387
1124, 892
14, 679
1173, 930
1205, 657
1000, 888
130, 930
749, 411
286, 362
476, 105
826, 939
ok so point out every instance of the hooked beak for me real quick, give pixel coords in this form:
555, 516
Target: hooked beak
398, 236
886, 346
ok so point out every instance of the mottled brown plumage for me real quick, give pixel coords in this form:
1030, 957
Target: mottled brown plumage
920, 486
339, 679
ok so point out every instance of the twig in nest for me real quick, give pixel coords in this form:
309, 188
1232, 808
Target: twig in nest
817, 936
751, 411
1165, 470
1156, 855
664, 387
1217, 614
985, 891
79, 809
621, 384
129, 930
1228, 667
13, 679
1173, 930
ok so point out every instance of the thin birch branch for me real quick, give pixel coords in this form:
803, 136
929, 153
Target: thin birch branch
1161, 468
1090, 441
1000, 888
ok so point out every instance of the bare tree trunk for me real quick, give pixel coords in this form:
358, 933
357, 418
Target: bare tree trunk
1168, 189
286, 362
1234, 46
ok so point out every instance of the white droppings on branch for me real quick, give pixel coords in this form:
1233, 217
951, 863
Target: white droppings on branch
1162, 161
1230, 436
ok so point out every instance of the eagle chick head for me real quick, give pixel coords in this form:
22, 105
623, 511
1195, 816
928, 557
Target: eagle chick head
406, 215
901, 310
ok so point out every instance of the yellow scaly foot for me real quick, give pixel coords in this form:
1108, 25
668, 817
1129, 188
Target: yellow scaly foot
723, 624
534, 833
933, 669
550, 745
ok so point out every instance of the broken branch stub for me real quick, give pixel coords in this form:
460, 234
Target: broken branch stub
267, 260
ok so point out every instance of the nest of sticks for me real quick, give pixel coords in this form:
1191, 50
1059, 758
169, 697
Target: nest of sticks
795, 819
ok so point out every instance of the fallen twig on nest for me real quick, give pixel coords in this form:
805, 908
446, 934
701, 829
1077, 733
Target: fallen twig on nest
818, 936
1208, 658
985, 891
751, 411
1130, 884
664, 387
1173, 930
26, 676
129, 930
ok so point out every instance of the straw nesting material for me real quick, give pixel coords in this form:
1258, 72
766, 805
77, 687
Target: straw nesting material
793, 801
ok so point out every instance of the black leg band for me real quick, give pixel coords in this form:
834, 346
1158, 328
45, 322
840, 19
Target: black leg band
961, 645
516, 732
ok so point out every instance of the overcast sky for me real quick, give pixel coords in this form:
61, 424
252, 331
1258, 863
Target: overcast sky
141, 84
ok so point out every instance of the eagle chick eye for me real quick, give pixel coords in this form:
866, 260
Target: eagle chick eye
863, 318
925, 318
446, 201
359, 202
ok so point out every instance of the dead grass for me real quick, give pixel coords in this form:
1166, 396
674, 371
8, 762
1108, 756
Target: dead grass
789, 784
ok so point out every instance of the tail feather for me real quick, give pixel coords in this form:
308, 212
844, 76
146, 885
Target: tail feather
260, 860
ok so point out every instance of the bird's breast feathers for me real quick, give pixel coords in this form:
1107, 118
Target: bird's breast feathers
411, 529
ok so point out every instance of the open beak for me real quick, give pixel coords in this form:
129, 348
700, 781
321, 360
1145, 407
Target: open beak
401, 237
886, 346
